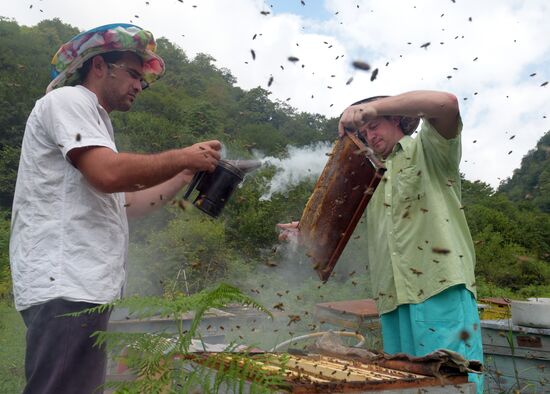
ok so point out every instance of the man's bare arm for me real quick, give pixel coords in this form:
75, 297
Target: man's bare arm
142, 202
439, 108
112, 172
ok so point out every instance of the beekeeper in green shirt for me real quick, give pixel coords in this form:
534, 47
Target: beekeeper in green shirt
421, 254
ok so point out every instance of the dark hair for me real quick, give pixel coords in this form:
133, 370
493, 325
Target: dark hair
108, 57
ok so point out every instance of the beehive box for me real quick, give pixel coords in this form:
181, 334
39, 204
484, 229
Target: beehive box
515, 355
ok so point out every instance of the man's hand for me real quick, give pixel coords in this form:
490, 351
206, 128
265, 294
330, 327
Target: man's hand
290, 231
203, 156
356, 116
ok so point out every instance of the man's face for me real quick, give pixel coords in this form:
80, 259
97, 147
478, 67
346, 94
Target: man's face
382, 134
124, 82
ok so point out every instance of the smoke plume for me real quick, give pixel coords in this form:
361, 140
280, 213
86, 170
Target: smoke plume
299, 164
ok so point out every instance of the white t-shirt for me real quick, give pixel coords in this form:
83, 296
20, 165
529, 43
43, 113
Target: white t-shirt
68, 240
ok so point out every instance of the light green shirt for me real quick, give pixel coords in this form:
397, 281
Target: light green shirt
419, 243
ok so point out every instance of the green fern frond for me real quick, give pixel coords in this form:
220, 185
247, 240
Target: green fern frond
153, 357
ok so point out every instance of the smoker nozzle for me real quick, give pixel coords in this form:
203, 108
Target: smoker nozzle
245, 166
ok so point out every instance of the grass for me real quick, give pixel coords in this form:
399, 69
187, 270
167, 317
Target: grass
12, 349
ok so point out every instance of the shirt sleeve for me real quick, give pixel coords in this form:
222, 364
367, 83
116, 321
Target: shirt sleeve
73, 121
441, 151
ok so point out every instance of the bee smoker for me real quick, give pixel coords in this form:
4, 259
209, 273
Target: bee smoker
216, 187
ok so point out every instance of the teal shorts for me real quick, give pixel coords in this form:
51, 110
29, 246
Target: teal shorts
448, 320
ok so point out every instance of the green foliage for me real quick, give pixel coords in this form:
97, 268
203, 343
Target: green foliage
512, 241
9, 161
531, 182
12, 349
154, 356
187, 254
5, 276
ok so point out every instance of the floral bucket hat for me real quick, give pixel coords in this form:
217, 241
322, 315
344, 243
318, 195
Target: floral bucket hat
108, 38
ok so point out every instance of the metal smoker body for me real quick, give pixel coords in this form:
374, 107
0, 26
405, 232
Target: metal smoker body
216, 188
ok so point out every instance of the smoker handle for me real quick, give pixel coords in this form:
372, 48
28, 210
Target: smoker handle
196, 179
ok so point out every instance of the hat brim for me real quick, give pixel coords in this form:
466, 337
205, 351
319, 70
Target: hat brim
408, 124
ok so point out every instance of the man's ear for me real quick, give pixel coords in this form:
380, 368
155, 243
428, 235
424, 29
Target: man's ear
395, 120
99, 67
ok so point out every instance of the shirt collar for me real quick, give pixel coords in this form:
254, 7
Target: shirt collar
88, 92
92, 95
404, 144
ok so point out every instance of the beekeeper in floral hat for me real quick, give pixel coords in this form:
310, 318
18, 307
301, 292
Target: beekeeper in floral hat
74, 195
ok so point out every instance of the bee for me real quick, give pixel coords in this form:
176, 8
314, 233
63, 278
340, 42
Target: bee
464, 335
374, 74
271, 263
416, 272
182, 204
440, 250
293, 59
424, 210
270, 81
293, 319
360, 65
78, 137
425, 45
279, 306
196, 264
265, 12
253, 54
